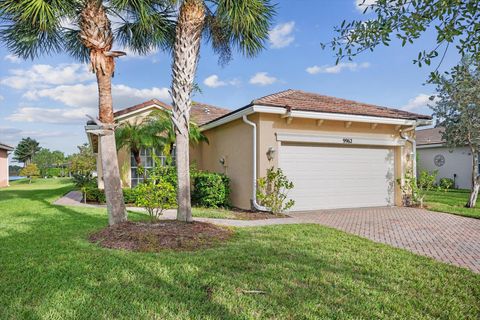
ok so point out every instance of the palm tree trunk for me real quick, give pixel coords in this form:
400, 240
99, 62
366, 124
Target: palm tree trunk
186, 52
97, 36
472, 201
108, 153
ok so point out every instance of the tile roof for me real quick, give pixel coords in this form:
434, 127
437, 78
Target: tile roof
200, 113
4, 146
429, 136
305, 101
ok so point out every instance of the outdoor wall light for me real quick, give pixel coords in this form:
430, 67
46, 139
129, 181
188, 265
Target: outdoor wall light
270, 153
222, 161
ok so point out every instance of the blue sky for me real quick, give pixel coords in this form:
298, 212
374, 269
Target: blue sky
47, 98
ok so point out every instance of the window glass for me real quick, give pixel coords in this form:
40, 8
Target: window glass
147, 163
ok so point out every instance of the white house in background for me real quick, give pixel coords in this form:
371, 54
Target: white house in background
433, 155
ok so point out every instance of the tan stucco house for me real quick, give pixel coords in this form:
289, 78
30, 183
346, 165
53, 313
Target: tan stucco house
435, 155
4, 175
338, 153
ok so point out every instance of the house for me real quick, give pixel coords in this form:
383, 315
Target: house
434, 155
4, 175
338, 153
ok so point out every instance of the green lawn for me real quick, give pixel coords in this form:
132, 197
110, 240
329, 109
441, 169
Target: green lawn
452, 201
49, 271
213, 213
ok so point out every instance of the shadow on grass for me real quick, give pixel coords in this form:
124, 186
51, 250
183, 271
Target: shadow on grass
49, 269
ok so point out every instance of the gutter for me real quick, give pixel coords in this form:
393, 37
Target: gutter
254, 173
414, 147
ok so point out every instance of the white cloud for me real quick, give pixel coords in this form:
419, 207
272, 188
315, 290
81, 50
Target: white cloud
86, 95
214, 81
352, 66
281, 35
49, 115
2, 98
262, 79
133, 55
12, 58
362, 4
43, 75
420, 101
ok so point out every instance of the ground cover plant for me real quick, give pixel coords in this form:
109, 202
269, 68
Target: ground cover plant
49, 270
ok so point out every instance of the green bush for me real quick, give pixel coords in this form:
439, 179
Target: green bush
210, 190
426, 180
155, 197
54, 172
129, 196
273, 191
446, 183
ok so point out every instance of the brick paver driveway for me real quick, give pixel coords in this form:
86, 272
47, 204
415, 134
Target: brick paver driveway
445, 237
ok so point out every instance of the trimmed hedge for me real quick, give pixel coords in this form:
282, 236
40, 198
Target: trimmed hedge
211, 190
97, 195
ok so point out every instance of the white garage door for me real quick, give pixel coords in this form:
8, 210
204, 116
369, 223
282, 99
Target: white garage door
328, 177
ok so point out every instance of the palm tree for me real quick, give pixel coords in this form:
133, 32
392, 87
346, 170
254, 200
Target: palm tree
241, 24
135, 136
34, 27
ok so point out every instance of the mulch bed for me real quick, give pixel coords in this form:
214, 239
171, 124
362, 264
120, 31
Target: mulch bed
161, 235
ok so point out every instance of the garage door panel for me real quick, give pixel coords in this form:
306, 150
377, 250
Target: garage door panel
327, 177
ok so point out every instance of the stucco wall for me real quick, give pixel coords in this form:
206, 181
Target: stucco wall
270, 124
457, 161
3, 168
232, 142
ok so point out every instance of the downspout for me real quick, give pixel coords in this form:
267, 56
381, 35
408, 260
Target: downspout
414, 147
254, 185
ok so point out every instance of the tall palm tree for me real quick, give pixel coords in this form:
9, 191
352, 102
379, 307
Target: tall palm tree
34, 27
243, 24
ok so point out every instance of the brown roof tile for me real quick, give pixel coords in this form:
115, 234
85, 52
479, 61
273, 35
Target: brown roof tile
430, 136
4, 146
305, 101
200, 113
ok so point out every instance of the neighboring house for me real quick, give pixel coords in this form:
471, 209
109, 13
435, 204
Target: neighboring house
434, 155
338, 153
4, 175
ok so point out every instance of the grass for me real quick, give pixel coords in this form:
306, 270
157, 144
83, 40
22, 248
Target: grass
48, 270
452, 201
218, 213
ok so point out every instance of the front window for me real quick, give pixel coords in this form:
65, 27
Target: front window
147, 163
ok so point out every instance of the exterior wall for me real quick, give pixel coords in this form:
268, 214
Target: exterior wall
270, 124
232, 142
3, 168
457, 161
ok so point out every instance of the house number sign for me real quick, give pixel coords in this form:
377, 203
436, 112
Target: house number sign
347, 140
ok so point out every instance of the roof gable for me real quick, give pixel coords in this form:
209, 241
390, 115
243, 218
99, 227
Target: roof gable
4, 146
430, 136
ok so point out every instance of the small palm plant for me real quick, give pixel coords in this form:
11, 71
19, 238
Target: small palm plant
35, 27
242, 24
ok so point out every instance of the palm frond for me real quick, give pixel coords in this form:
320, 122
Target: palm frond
243, 23
145, 25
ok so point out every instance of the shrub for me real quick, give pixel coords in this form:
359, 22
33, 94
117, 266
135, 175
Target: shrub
54, 172
30, 171
94, 194
446, 183
155, 197
426, 180
273, 191
129, 196
85, 182
413, 195
210, 190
